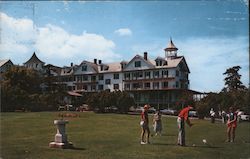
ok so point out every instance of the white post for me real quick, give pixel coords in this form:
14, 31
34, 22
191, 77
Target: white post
61, 136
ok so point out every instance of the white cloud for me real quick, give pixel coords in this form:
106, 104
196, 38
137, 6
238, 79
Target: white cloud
208, 59
20, 37
22, 30
16, 35
123, 32
68, 45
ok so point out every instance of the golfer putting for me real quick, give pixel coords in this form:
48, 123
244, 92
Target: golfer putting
182, 117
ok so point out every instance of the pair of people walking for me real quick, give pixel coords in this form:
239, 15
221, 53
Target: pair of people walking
145, 131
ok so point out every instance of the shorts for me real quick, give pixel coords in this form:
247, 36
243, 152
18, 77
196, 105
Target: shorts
145, 126
232, 125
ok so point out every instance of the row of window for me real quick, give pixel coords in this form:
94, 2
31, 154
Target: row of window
147, 85
32, 65
147, 74
137, 74
137, 64
103, 67
94, 87
94, 78
161, 63
133, 75
128, 86
158, 63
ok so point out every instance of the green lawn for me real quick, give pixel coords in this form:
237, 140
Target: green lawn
27, 135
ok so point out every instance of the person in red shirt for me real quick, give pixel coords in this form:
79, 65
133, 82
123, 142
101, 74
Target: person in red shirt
182, 117
231, 125
144, 125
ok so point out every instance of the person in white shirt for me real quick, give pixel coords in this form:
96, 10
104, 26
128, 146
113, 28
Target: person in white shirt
212, 115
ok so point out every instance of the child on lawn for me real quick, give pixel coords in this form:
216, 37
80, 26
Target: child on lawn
157, 123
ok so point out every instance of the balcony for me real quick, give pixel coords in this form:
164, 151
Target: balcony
149, 79
127, 89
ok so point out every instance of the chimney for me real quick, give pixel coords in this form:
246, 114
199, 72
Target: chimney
71, 64
145, 55
100, 62
95, 61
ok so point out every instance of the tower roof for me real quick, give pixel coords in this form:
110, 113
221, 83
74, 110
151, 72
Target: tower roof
171, 46
34, 59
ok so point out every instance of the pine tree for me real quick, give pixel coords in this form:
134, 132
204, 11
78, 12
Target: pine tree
232, 81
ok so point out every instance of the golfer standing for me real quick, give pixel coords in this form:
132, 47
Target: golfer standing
182, 117
231, 125
144, 125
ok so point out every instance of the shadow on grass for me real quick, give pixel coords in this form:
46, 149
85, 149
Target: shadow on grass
204, 146
76, 148
164, 144
199, 146
169, 135
153, 135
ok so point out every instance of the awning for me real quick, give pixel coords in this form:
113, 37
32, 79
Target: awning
74, 94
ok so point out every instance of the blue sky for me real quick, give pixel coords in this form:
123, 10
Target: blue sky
212, 35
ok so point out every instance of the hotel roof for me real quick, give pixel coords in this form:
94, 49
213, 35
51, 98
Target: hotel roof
34, 59
171, 46
2, 62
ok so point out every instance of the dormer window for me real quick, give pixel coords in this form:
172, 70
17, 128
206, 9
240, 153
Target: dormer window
84, 68
137, 63
123, 65
159, 63
104, 67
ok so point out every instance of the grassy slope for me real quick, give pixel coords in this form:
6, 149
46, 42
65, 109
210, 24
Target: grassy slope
27, 135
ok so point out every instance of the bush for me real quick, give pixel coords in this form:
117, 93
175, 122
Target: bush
103, 101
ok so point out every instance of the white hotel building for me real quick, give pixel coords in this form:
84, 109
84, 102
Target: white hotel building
157, 81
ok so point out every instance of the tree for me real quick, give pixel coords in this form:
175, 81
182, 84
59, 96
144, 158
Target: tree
212, 100
185, 98
233, 94
232, 81
22, 88
17, 85
102, 100
123, 101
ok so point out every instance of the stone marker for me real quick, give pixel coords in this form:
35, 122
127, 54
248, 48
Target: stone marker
61, 136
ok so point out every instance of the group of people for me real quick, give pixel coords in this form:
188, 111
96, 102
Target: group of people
181, 119
230, 119
157, 124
